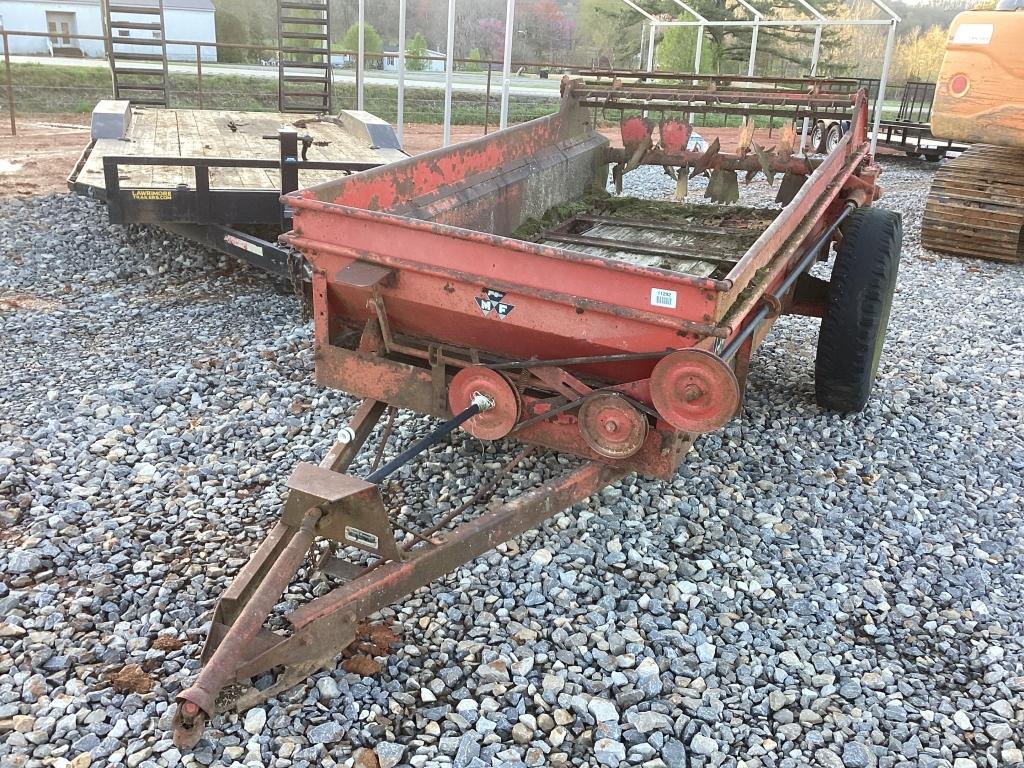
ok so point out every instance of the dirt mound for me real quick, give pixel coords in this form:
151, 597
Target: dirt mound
371, 640
166, 643
131, 679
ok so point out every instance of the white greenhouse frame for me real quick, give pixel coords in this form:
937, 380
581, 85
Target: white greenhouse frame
818, 21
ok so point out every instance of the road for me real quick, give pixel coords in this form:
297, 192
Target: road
471, 82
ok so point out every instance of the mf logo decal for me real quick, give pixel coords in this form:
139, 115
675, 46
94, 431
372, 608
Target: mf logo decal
494, 303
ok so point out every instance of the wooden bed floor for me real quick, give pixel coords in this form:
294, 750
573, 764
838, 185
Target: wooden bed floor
701, 240
222, 134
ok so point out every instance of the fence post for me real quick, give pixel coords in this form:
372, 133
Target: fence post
882, 82
487, 100
401, 71
449, 67
506, 62
10, 82
199, 72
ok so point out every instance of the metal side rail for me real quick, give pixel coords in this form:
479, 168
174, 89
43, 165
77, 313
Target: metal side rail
271, 257
201, 204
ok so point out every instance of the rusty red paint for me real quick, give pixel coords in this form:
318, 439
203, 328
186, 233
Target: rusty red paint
504, 412
402, 182
611, 426
477, 290
274, 575
635, 132
694, 390
728, 161
401, 304
476, 537
675, 136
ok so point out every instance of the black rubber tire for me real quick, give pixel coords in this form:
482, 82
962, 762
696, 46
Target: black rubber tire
857, 309
818, 137
832, 137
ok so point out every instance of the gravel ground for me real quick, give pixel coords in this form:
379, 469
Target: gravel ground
807, 591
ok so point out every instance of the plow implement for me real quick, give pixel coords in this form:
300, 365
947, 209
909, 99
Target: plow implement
498, 288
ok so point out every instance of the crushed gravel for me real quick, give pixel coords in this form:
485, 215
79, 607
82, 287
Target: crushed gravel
808, 590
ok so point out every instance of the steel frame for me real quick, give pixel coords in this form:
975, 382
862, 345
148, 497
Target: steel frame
199, 212
819, 21
203, 205
239, 647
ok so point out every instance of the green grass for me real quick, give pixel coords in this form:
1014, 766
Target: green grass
45, 88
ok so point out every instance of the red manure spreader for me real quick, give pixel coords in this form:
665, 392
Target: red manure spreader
495, 285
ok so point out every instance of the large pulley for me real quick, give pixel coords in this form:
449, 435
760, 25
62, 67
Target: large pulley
499, 420
694, 390
611, 426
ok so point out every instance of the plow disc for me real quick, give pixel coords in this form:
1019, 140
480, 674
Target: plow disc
976, 205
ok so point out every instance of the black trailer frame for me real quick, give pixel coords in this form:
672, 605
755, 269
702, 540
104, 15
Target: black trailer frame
911, 131
199, 213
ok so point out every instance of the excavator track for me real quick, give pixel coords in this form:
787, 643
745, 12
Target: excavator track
976, 205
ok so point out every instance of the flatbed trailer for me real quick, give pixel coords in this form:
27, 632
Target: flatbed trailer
909, 132
494, 286
217, 176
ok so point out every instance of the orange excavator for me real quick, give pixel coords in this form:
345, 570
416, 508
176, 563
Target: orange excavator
976, 203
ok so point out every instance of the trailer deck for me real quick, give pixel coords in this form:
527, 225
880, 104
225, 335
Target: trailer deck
239, 136
214, 175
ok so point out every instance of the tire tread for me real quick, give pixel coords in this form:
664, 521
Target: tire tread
856, 312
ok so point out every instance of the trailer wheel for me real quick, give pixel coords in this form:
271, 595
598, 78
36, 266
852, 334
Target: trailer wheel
818, 137
857, 309
832, 137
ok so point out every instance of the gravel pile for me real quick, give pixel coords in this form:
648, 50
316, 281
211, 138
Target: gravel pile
807, 591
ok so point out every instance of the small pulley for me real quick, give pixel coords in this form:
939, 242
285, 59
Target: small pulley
612, 426
499, 420
694, 390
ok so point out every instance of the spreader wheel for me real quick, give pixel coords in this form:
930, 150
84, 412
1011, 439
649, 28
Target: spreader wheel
857, 309
611, 426
492, 424
695, 391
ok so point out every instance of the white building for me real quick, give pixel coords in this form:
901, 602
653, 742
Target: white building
389, 61
431, 65
191, 20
